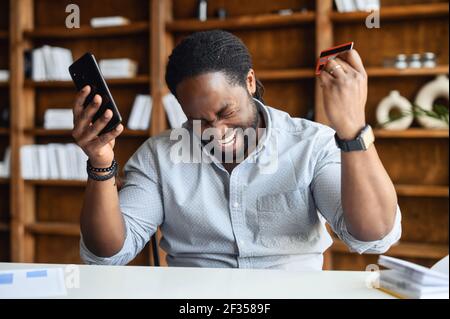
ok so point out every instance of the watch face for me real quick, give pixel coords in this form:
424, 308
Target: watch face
367, 136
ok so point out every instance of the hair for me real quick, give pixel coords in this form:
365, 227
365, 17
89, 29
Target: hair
211, 51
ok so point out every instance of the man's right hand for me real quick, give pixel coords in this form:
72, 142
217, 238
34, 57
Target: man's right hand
99, 149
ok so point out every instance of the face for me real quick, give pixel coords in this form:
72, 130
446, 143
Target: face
223, 109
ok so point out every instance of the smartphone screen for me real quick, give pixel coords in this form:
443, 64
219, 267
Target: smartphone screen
85, 71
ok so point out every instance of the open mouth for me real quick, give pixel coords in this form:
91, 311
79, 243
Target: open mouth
229, 140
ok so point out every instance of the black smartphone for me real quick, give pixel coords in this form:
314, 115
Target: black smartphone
85, 71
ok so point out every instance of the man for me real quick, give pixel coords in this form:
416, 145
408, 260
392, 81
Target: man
241, 213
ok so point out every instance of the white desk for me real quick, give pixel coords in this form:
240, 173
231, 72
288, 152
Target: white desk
207, 283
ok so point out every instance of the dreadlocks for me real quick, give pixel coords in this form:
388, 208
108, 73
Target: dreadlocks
211, 51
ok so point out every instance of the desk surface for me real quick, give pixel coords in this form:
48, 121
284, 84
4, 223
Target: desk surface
207, 283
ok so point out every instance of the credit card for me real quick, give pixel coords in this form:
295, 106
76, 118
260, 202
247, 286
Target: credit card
331, 54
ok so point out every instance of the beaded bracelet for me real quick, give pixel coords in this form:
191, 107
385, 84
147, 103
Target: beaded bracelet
112, 172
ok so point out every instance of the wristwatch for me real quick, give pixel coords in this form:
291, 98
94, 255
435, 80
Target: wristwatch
361, 143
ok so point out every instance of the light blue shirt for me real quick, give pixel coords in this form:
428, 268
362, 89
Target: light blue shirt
270, 212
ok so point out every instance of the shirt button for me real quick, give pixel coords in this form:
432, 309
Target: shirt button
235, 204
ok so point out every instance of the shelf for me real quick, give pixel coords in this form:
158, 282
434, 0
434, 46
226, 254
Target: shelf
4, 227
403, 250
396, 13
68, 133
4, 35
142, 79
4, 181
394, 72
4, 84
53, 228
422, 190
87, 31
289, 74
4, 131
56, 182
243, 22
411, 133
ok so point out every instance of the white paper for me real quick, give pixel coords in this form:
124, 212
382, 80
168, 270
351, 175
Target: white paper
32, 283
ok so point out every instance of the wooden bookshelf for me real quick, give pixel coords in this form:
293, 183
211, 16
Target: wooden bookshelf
416, 158
284, 50
39, 224
5, 135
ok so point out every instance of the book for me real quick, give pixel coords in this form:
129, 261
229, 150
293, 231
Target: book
140, 113
60, 118
53, 161
118, 68
5, 164
408, 280
102, 22
50, 63
4, 75
174, 111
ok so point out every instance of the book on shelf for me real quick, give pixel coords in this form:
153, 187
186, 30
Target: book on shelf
5, 165
102, 22
58, 118
357, 5
118, 68
140, 113
408, 280
4, 75
174, 111
53, 161
50, 64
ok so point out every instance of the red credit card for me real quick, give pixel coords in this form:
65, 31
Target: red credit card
330, 54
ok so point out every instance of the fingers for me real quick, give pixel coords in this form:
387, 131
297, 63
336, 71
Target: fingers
106, 138
325, 79
85, 118
95, 128
79, 100
353, 58
335, 69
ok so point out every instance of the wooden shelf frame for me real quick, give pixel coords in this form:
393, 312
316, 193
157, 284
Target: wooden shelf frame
403, 250
88, 32
389, 13
242, 23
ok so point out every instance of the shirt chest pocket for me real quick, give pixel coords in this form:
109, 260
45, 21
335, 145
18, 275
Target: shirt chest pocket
284, 214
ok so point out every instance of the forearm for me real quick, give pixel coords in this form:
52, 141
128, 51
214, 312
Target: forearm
101, 221
369, 200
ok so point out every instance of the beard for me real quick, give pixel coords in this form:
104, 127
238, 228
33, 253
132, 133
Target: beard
252, 124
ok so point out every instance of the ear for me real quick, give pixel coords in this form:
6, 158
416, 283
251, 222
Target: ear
251, 82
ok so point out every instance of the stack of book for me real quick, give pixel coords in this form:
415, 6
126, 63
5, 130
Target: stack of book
51, 63
404, 279
118, 68
357, 5
174, 111
4, 75
53, 161
140, 113
5, 165
58, 119
103, 22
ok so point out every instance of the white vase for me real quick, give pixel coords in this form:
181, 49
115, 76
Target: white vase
395, 101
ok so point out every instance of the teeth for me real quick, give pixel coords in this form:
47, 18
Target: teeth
228, 139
